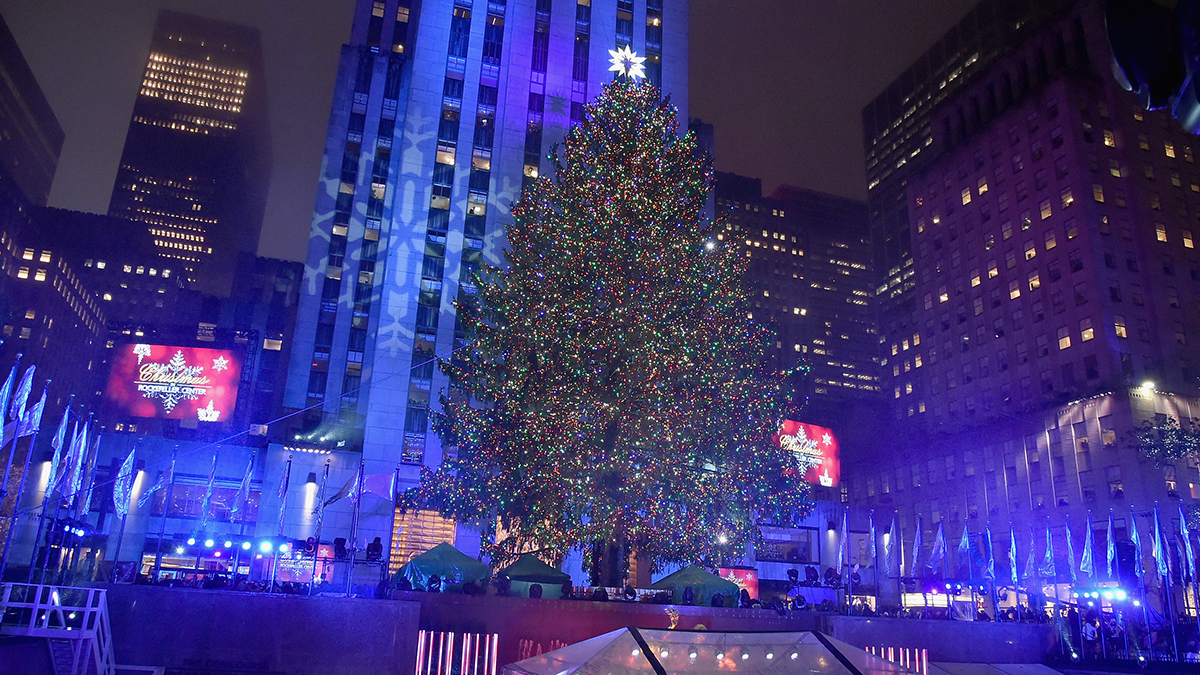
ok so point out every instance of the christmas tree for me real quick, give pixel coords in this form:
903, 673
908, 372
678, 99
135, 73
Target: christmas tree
612, 389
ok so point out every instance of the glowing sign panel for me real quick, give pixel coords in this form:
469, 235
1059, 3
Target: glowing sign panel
174, 382
815, 447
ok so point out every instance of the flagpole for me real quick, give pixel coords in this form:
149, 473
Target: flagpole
122, 484
1190, 568
875, 558
83, 502
12, 523
357, 496
387, 561
320, 517
162, 528
1162, 548
57, 510
1138, 564
50, 482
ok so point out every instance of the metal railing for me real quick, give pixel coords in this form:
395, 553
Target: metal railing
73, 620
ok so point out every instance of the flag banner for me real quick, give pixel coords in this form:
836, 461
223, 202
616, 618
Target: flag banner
1139, 569
208, 490
243, 493
939, 550
31, 421
1189, 555
843, 543
57, 462
7, 390
81, 452
16, 409
1162, 564
889, 549
350, 489
916, 552
123, 486
1088, 564
380, 484
283, 493
1012, 555
89, 469
1047, 570
964, 553
874, 552
164, 479
1110, 550
1030, 570
989, 572
1071, 555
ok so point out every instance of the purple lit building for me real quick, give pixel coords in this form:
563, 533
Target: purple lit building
442, 110
1053, 271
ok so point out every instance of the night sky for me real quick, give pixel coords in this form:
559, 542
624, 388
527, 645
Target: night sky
784, 82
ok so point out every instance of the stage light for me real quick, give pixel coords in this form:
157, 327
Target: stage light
1121, 595
663, 654
1108, 595
259, 556
1148, 385
208, 543
191, 541
795, 656
1137, 603
635, 652
720, 655
1074, 595
178, 550
770, 656
265, 547
228, 543
216, 554
283, 548
745, 656
245, 546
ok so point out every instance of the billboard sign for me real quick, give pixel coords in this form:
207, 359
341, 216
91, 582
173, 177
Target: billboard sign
174, 382
815, 447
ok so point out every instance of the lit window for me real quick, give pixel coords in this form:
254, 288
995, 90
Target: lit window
1030, 250
1119, 324
1160, 231
1187, 239
1109, 140
1046, 212
166, 274
40, 275
141, 270
1085, 330
966, 196
1035, 281
153, 272
975, 281
30, 314
993, 270
917, 361
100, 264
23, 273
1098, 192
983, 186
1064, 338
128, 268
45, 257
1067, 198
1169, 148
108, 296
273, 345
1014, 289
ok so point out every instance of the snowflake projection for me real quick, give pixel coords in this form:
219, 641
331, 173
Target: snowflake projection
803, 449
626, 62
142, 351
220, 363
176, 382
208, 414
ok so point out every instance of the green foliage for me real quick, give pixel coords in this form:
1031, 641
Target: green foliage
1167, 439
613, 387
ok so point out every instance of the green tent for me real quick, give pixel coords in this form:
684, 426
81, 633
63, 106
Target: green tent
450, 564
528, 570
703, 583
531, 569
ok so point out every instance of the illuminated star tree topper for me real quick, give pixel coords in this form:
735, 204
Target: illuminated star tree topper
612, 389
626, 62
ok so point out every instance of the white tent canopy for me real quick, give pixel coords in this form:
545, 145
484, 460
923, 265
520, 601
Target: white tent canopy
627, 651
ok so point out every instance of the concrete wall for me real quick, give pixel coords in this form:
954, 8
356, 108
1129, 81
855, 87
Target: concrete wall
227, 632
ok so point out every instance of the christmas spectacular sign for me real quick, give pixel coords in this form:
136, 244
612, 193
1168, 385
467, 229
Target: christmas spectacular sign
814, 447
174, 382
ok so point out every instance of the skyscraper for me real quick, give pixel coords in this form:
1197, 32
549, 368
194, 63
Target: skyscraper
442, 110
197, 156
30, 137
1054, 272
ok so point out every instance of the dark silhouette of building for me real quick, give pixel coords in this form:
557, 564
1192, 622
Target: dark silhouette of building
30, 137
197, 157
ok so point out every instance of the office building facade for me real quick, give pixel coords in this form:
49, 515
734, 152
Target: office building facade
30, 136
442, 111
197, 159
1055, 301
